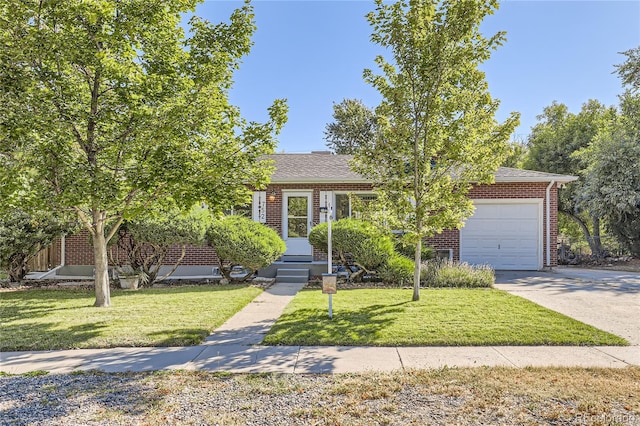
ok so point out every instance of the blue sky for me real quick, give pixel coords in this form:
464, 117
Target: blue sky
313, 53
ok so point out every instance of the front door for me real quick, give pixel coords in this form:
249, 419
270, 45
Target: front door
297, 216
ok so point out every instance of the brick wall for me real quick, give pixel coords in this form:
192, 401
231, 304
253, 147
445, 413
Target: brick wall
79, 251
448, 239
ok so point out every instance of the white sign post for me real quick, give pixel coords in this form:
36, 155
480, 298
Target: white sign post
329, 280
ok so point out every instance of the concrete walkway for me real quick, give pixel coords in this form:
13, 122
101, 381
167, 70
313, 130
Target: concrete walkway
235, 347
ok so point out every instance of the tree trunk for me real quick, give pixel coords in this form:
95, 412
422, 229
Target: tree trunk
173, 269
226, 272
596, 245
103, 293
585, 231
17, 270
416, 271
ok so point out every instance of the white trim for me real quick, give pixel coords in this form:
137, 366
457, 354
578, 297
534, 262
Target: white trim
297, 241
259, 206
557, 179
326, 200
497, 179
538, 201
319, 181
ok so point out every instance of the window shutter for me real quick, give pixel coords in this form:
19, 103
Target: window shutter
326, 198
259, 206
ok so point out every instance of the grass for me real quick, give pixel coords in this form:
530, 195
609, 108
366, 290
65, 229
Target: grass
449, 317
66, 319
467, 396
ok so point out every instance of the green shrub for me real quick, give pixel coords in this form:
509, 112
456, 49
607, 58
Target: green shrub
406, 247
144, 243
318, 236
398, 270
367, 245
447, 273
23, 234
239, 241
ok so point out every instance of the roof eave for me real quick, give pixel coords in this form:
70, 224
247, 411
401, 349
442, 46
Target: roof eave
319, 181
558, 179
500, 179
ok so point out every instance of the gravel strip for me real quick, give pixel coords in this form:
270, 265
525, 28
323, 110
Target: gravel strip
188, 398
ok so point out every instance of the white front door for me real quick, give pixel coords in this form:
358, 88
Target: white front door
297, 216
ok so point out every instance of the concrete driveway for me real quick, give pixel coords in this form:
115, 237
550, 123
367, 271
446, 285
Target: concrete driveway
608, 300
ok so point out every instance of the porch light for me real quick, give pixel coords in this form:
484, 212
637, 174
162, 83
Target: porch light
272, 196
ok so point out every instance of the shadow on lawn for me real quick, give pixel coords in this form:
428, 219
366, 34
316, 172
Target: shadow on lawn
314, 327
46, 336
39, 303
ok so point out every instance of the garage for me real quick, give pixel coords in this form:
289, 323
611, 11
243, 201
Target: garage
506, 234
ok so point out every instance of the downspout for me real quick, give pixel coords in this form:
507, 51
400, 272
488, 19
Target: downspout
548, 221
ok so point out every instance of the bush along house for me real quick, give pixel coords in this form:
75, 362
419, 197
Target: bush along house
514, 226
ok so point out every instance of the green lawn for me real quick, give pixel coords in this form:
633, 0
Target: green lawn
451, 317
65, 319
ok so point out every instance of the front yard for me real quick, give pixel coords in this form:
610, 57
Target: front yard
449, 317
177, 316
66, 319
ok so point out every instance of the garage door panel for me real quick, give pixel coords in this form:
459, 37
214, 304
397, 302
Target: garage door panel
524, 244
504, 235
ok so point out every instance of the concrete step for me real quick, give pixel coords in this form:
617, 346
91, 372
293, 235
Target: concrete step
300, 272
297, 258
285, 275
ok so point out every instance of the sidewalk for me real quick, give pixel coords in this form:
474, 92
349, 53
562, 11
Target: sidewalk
235, 347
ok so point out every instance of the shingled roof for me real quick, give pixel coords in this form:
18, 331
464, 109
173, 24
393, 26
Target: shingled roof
313, 168
329, 168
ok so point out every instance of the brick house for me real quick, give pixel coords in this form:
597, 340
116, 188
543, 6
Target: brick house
515, 224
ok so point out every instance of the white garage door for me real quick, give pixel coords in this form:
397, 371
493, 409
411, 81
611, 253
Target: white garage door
506, 235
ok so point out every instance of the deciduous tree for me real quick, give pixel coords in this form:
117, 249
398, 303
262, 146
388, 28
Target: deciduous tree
23, 234
111, 106
612, 176
629, 70
437, 134
612, 180
517, 155
354, 126
553, 141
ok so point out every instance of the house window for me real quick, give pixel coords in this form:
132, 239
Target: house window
352, 205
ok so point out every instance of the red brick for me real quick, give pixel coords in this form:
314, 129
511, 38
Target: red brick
79, 251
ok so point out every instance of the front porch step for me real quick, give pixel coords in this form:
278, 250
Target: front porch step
297, 258
285, 275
